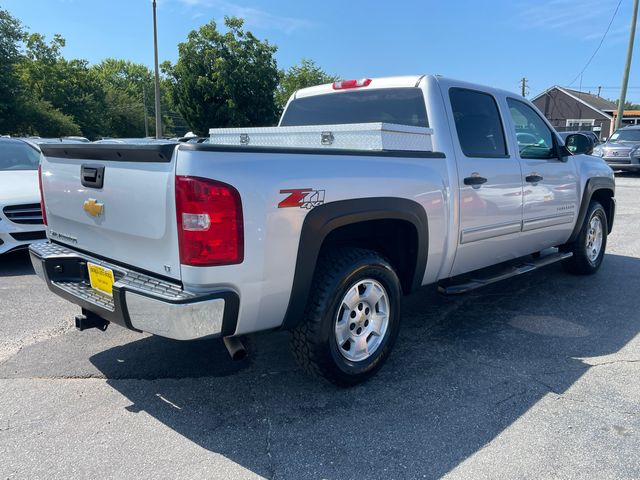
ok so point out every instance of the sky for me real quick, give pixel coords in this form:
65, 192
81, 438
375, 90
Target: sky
492, 42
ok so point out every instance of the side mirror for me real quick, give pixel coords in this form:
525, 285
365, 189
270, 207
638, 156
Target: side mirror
578, 143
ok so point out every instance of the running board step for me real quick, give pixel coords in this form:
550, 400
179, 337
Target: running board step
510, 271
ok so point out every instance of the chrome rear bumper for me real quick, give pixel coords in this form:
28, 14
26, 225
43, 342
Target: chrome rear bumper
140, 302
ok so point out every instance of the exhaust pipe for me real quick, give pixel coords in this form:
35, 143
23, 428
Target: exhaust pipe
235, 348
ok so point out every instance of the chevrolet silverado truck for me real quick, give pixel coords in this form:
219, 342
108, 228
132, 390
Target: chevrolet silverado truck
207, 240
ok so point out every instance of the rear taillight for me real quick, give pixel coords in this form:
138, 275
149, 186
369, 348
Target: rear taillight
44, 212
210, 230
346, 84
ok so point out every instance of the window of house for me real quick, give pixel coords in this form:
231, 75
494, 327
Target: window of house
580, 122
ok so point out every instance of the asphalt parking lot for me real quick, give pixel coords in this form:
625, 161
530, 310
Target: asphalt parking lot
538, 377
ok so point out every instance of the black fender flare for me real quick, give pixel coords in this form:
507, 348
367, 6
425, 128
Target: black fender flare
324, 219
593, 185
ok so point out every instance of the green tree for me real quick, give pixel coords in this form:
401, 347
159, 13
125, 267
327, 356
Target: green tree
627, 105
125, 84
307, 74
11, 37
39, 117
130, 93
173, 123
22, 111
224, 79
68, 86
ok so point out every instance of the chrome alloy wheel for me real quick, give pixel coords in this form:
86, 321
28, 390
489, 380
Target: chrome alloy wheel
595, 235
362, 320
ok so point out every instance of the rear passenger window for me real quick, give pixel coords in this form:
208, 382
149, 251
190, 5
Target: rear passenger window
478, 123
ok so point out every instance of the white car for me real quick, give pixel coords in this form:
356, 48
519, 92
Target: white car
20, 213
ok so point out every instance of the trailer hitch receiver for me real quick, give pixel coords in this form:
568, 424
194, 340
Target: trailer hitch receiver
90, 320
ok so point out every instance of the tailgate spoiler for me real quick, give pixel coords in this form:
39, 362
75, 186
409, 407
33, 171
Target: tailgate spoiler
158, 153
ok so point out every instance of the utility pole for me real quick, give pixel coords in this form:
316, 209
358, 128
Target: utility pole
599, 88
144, 101
627, 65
155, 52
523, 86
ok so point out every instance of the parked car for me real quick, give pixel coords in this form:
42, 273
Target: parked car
20, 213
190, 139
590, 134
367, 190
622, 149
65, 140
77, 138
580, 141
131, 141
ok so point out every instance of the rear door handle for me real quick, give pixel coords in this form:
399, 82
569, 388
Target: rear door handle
475, 180
533, 178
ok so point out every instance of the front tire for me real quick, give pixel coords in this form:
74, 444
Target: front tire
352, 317
589, 248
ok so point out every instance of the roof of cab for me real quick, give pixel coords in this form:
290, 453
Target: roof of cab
400, 82
383, 82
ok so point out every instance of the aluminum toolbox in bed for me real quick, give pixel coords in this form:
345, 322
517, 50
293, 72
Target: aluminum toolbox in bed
357, 136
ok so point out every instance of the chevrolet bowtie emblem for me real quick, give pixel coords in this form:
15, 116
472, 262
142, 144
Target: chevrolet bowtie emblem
93, 208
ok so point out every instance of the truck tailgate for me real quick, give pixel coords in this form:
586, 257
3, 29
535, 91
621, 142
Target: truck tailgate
127, 217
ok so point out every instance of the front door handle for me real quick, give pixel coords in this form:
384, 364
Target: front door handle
475, 180
533, 178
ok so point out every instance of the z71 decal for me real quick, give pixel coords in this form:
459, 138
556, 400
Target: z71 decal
302, 198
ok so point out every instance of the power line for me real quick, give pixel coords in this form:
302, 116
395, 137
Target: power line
599, 45
605, 88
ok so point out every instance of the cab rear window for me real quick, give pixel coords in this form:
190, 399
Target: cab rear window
404, 106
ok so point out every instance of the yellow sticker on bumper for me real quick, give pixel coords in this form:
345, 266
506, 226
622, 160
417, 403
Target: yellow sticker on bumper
101, 278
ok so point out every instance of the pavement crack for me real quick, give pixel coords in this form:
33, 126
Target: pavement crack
272, 473
30, 423
10, 348
10, 356
260, 409
509, 397
544, 384
613, 362
594, 405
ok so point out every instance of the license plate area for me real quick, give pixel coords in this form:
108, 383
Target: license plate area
101, 278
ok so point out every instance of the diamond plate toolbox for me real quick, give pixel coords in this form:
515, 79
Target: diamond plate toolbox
357, 136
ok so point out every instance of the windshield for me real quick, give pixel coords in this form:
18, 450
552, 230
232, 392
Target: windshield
404, 106
18, 156
625, 135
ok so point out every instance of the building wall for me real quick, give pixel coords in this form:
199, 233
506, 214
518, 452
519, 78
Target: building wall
559, 107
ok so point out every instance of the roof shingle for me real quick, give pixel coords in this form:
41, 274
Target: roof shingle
593, 100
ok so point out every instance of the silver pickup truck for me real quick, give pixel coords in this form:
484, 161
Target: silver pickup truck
209, 240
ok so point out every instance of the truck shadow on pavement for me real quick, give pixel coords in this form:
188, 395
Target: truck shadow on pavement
464, 369
15, 264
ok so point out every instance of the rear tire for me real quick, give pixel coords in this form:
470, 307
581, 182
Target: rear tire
352, 317
589, 248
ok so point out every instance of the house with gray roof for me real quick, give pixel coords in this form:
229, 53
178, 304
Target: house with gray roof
569, 109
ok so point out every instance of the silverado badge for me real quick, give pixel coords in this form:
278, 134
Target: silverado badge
93, 208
